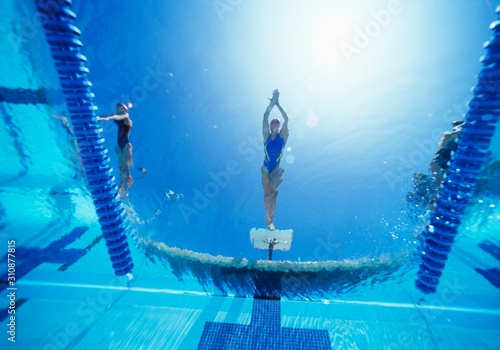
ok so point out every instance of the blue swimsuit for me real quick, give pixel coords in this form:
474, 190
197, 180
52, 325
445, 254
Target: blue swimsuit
273, 150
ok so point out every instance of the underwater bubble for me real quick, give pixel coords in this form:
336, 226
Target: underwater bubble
312, 120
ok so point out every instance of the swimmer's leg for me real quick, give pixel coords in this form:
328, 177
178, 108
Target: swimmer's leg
126, 164
270, 195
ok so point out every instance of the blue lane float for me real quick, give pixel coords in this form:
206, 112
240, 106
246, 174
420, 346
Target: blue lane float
63, 39
466, 163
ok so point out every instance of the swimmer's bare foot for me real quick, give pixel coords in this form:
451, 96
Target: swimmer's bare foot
123, 193
271, 227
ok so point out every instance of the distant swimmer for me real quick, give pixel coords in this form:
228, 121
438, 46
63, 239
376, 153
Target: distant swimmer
123, 148
274, 146
172, 197
272, 242
71, 136
144, 171
169, 198
65, 123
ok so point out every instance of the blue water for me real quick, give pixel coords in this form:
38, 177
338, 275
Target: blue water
369, 87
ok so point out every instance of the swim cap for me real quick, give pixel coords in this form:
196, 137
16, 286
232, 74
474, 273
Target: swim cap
123, 105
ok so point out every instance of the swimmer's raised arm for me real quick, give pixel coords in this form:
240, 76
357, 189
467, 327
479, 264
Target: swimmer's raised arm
265, 122
284, 127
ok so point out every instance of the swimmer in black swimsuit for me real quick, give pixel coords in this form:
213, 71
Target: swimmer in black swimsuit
448, 144
274, 146
123, 148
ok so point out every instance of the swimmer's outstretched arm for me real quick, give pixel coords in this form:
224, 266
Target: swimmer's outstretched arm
113, 117
124, 117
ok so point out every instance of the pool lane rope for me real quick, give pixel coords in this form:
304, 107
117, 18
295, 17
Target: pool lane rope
465, 166
63, 38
